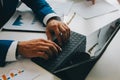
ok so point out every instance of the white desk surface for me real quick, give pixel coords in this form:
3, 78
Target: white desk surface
21, 36
108, 66
26, 64
92, 25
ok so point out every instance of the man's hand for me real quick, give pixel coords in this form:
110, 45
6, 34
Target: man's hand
59, 29
93, 1
38, 48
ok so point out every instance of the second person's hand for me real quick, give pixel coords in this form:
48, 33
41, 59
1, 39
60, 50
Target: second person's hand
93, 1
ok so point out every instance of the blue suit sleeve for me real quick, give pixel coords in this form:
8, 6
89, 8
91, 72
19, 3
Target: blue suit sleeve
4, 46
40, 7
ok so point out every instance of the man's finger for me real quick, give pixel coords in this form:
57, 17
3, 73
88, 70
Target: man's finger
58, 35
43, 55
49, 35
93, 1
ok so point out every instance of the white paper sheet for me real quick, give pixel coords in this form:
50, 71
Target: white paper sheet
18, 71
60, 7
87, 10
24, 21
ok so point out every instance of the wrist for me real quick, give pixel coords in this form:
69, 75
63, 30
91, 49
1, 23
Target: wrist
18, 49
54, 18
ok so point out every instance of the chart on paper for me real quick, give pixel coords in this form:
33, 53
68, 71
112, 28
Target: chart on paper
24, 21
18, 74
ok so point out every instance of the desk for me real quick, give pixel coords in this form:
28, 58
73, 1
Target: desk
90, 29
108, 67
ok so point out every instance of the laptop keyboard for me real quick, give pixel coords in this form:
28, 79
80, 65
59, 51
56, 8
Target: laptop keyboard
76, 44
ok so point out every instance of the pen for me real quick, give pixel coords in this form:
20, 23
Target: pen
71, 18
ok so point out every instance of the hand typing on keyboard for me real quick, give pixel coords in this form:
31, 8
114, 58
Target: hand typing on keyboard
46, 48
76, 43
60, 30
38, 48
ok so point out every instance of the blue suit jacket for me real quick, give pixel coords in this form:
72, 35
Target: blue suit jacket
39, 7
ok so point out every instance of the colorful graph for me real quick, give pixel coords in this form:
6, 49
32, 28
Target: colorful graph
11, 75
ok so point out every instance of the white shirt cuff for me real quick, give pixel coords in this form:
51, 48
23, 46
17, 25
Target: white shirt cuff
11, 54
47, 17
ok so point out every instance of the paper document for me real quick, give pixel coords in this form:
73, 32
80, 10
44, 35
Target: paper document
18, 71
25, 69
24, 21
87, 10
60, 7
19, 74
